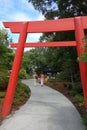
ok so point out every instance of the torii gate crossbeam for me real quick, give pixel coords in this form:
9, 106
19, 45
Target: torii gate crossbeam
77, 24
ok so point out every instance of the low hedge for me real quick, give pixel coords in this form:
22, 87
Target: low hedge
4, 77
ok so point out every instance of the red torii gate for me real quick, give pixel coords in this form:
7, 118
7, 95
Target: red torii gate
77, 24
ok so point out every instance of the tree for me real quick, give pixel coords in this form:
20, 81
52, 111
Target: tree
83, 57
6, 54
52, 9
72, 8
4, 37
55, 9
33, 58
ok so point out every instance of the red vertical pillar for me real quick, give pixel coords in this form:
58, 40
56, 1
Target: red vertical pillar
15, 71
79, 31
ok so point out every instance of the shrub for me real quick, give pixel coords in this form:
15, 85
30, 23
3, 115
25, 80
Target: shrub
4, 77
79, 98
2, 95
85, 120
78, 88
23, 74
22, 92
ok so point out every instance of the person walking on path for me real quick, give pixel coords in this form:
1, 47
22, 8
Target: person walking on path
42, 79
35, 76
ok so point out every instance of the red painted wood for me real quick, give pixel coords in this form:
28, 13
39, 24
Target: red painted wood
46, 25
83, 66
15, 27
84, 22
43, 26
46, 44
51, 25
15, 71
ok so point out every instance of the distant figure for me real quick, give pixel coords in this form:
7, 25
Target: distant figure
42, 79
35, 76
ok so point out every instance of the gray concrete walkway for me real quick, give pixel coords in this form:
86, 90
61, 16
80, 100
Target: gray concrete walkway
47, 109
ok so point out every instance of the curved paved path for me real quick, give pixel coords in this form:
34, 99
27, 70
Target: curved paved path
47, 109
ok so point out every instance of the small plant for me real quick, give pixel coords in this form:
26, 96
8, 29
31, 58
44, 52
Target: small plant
23, 74
4, 77
85, 120
2, 95
83, 57
79, 99
78, 88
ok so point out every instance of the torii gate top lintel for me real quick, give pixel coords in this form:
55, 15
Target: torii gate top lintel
59, 25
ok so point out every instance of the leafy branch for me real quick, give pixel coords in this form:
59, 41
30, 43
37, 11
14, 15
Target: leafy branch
83, 57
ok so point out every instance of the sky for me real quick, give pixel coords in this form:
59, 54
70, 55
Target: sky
19, 10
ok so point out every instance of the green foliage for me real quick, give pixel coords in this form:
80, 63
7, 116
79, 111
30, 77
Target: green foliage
52, 9
84, 39
79, 99
4, 77
6, 54
63, 60
57, 58
83, 57
85, 120
69, 69
76, 89
4, 38
23, 74
6, 57
72, 8
2, 94
22, 92
33, 58
43, 6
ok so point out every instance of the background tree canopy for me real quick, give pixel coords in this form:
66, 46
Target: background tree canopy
52, 9
63, 59
6, 59
6, 54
